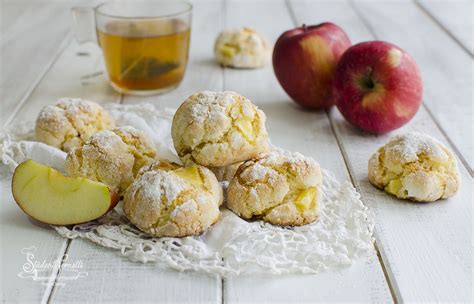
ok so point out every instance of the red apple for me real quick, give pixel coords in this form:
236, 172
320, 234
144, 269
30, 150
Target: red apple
304, 60
377, 86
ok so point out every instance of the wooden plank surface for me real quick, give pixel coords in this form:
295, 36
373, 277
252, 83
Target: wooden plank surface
11, 13
78, 72
456, 17
62, 80
29, 46
111, 277
426, 249
310, 133
413, 238
39, 29
17, 232
114, 279
445, 67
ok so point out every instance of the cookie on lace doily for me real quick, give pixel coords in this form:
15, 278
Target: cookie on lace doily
342, 234
218, 129
280, 188
112, 157
170, 200
233, 246
70, 122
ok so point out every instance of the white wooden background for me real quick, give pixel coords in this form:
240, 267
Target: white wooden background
423, 252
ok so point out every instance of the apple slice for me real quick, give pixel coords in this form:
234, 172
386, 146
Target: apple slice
50, 197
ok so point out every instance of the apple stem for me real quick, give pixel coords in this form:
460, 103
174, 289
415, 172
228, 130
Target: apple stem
304, 27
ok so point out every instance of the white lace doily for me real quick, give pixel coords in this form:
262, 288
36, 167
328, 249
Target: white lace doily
342, 234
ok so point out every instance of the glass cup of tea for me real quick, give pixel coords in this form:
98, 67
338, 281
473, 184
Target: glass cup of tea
145, 44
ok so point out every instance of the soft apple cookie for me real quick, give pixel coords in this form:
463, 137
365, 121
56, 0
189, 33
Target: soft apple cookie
282, 189
218, 129
415, 166
242, 48
169, 200
71, 122
113, 157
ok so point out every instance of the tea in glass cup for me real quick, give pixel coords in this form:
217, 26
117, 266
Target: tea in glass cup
144, 53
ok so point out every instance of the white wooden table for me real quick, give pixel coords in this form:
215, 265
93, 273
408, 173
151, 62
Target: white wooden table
423, 252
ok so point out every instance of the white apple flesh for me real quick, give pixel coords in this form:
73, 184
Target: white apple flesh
50, 197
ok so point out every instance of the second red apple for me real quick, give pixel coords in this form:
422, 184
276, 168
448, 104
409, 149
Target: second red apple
304, 60
377, 86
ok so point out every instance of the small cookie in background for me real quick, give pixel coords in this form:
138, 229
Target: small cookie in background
167, 199
70, 122
112, 157
217, 129
281, 189
415, 166
242, 48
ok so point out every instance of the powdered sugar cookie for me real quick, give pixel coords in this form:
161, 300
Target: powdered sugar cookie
71, 122
169, 200
282, 189
218, 129
113, 157
415, 166
242, 48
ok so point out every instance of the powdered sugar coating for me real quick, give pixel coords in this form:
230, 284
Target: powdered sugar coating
415, 166
342, 235
161, 202
113, 157
71, 122
106, 139
218, 129
189, 206
170, 186
406, 148
273, 188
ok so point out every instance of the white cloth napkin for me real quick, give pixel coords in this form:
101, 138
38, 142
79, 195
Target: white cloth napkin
232, 246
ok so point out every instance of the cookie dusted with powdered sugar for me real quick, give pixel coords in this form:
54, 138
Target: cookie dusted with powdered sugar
242, 48
415, 166
71, 122
218, 129
169, 200
112, 157
282, 189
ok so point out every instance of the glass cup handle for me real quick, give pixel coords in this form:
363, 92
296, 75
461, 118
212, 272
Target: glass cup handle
84, 21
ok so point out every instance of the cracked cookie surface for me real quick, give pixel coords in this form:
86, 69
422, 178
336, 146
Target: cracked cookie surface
217, 129
281, 188
167, 199
225, 173
71, 122
113, 157
415, 166
242, 48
